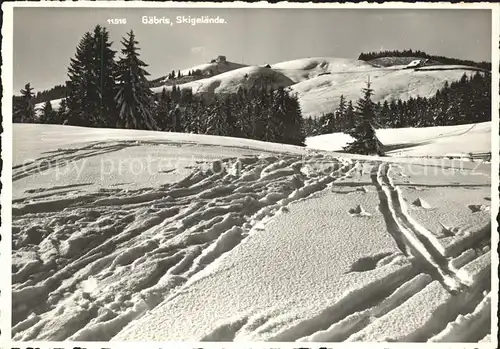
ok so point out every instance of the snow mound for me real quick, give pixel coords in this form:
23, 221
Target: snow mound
215, 68
231, 81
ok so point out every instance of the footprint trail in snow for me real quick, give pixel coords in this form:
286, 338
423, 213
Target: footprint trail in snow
93, 265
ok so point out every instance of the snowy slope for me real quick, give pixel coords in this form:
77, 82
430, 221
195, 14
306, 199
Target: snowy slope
322, 94
320, 81
456, 141
389, 61
303, 69
55, 156
210, 68
258, 241
216, 68
56, 104
231, 81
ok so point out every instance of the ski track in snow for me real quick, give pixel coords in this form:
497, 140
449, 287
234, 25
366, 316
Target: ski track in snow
87, 264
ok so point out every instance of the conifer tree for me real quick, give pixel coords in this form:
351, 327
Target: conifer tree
161, 110
48, 115
294, 127
217, 122
328, 123
276, 117
24, 106
384, 117
195, 124
91, 84
176, 93
82, 92
134, 98
105, 74
174, 118
285, 124
340, 114
365, 140
349, 118
63, 112
230, 114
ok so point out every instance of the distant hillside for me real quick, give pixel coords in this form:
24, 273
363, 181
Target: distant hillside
214, 68
322, 94
303, 69
52, 94
202, 71
370, 56
394, 61
231, 81
320, 81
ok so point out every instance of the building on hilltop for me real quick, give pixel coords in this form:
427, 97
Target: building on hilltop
417, 63
219, 59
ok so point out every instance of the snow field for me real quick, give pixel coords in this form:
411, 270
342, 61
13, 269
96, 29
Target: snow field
450, 220
255, 241
316, 289
436, 141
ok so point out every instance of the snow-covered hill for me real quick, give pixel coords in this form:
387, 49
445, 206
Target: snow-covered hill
215, 67
231, 81
304, 69
321, 94
319, 82
137, 235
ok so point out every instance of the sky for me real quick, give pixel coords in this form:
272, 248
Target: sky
46, 38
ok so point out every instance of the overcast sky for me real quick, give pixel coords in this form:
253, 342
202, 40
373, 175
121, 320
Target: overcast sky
45, 38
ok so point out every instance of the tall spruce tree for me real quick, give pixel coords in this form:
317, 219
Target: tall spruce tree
82, 92
217, 121
105, 70
63, 112
24, 106
384, 116
48, 115
294, 122
349, 118
277, 117
340, 114
91, 86
328, 123
365, 139
161, 110
134, 98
